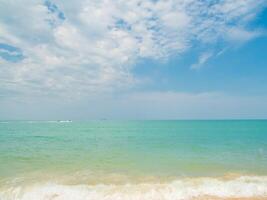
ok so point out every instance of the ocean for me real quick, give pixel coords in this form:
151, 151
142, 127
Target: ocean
121, 160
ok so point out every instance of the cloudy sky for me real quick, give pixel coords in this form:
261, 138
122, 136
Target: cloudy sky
137, 59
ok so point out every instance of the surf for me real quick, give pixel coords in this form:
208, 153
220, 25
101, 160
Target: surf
181, 189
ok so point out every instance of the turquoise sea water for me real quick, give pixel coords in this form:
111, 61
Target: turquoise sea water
130, 152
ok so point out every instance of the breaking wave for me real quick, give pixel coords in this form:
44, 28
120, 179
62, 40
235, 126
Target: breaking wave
182, 189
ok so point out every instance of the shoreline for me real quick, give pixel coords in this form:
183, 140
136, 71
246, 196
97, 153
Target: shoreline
223, 188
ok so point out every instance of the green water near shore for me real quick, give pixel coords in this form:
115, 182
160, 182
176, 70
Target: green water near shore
134, 148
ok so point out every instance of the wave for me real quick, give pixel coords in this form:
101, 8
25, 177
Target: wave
183, 189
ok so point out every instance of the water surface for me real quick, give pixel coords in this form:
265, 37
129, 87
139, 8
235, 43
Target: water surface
117, 153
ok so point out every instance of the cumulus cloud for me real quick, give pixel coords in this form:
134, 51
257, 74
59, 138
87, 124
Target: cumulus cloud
84, 46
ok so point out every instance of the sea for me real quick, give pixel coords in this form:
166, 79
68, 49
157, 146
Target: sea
133, 160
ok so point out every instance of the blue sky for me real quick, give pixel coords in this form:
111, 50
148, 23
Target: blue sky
166, 59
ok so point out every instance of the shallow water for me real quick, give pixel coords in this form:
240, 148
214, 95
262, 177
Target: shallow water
133, 159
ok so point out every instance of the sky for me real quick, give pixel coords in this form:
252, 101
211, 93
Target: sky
138, 59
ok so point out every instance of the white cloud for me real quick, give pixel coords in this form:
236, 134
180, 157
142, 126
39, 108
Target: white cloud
203, 58
241, 35
100, 40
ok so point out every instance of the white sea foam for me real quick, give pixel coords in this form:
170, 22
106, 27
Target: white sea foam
242, 187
